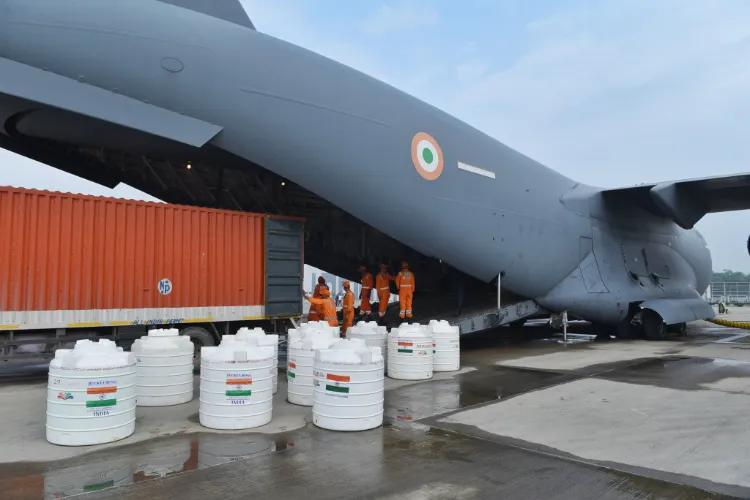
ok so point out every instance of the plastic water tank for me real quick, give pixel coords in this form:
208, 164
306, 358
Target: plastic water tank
164, 368
410, 353
265, 340
349, 385
373, 335
236, 386
311, 327
445, 338
299, 370
91, 394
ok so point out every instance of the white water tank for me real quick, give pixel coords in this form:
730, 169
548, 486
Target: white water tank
236, 386
410, 353
91, 394
445, 338
373, 335
299, 371
309, 328
164, 368
264, 339
349, 386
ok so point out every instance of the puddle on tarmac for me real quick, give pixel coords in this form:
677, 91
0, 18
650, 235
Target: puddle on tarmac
485, 385
680, 372
129, 464
167, 456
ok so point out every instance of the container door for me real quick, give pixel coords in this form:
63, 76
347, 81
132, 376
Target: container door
284, 267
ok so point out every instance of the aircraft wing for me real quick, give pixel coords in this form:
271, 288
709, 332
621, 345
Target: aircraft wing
687, 201
48, 89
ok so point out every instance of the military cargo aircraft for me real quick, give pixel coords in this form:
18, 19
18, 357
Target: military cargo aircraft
186, 100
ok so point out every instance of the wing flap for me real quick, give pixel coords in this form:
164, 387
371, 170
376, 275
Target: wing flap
687, 201
32, 84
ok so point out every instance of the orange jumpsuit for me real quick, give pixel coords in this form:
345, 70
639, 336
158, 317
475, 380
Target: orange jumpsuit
314, 314
327, 308
383, 286
405, 285
367, 283
347, 310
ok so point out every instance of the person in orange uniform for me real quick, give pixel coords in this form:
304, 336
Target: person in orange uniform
367, 283
383, 286
405, 285
347, 309
315, 312
326, 306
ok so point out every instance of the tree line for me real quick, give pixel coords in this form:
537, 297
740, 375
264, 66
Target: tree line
729, 275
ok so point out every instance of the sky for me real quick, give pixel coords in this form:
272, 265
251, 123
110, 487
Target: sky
609, 93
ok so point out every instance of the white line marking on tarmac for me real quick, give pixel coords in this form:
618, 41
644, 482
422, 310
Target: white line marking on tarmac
476, 170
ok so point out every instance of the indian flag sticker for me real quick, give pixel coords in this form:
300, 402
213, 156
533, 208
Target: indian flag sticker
238, 387
291, 366
426, 156
101, 396
337, 383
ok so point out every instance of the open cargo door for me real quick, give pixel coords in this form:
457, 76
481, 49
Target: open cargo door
284, 267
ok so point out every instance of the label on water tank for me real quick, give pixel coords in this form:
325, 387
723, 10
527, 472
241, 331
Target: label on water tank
334, 385
419, 348
101, 397
238, 387
291, 366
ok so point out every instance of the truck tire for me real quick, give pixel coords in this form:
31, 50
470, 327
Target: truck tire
201, 338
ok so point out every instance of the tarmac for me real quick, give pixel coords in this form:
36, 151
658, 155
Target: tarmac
527, 417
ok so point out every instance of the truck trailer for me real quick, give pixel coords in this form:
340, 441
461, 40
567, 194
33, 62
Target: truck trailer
86, 267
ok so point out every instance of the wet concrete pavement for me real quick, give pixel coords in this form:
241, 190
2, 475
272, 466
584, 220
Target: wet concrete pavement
420, 453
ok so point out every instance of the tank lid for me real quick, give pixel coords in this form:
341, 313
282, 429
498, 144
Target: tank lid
442, 326
168, 339
349, 351
257, 333
89, 355
410, 330
234, 349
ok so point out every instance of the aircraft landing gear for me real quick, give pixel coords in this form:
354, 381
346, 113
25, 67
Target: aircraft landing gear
680, 329
626, 329
653, 325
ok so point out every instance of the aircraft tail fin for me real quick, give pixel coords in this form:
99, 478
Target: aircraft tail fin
687, 201
228, 10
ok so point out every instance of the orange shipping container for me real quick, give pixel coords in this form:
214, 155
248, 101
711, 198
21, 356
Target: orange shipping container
70, 260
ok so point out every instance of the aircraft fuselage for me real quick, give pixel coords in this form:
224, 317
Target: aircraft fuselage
404, 167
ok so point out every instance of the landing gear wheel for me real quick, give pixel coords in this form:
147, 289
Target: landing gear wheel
626, 330
200, 338
653, 325
679, 328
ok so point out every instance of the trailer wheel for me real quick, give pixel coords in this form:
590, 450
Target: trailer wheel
201, 338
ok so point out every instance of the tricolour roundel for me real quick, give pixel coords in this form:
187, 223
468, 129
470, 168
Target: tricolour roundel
427, 156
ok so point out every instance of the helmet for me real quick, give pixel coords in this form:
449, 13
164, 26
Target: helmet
321, 280
384, 266
347, 284
404, 264
362, 268
324, 292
